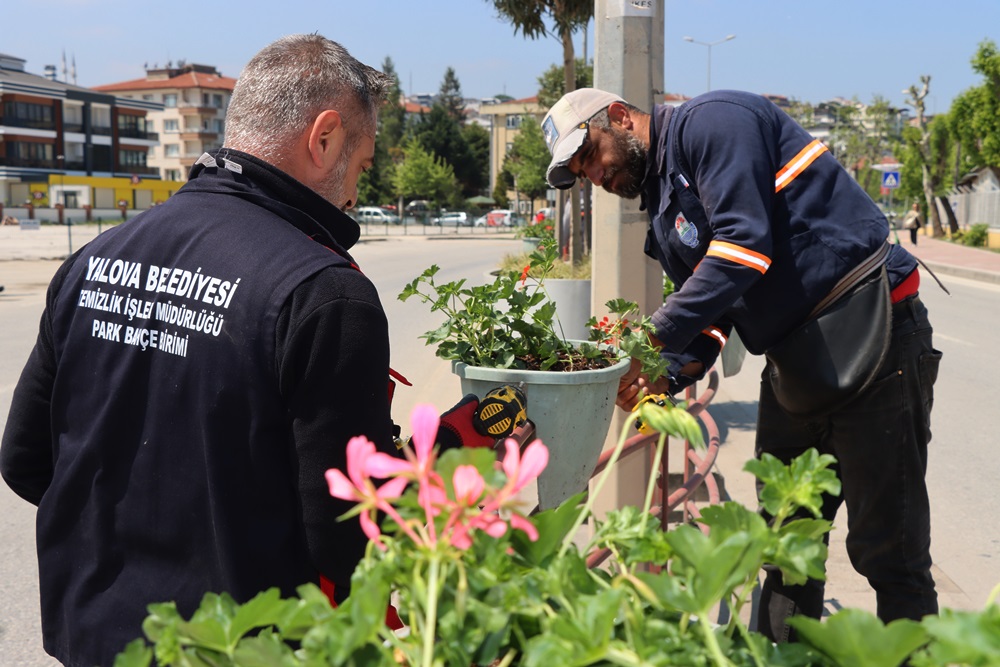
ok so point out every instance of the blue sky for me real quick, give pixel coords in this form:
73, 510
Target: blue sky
805, 49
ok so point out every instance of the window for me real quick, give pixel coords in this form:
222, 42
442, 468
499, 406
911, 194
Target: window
513, 121
129, 158
170, 100
101, 156
131, 126
29, 150
218, 125
204, 99
172, 174
26, 114
170, 125
171, 150
148, 98
217, 101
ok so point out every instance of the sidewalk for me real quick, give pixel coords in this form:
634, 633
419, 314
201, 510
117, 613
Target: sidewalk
957, 260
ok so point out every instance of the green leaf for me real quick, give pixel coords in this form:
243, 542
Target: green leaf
801, 484
136, 654
552, 525
859, 639
964, 637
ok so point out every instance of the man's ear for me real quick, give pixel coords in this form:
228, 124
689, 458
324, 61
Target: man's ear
326, 139
618, 115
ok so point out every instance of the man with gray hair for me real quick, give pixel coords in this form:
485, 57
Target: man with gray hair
200, 367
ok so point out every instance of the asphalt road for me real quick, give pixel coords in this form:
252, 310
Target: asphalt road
963, 470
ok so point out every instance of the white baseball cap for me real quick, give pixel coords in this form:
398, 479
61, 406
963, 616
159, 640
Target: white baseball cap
565, 128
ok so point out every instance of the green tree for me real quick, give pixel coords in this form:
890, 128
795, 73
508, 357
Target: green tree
860, 136
422, 174
392, 119
975, 114
375, 185
530, 18
528, 160
552, 82
450, 96
477, 138
439, 133
920, 153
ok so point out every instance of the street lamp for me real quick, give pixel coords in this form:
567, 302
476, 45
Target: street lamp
709, 45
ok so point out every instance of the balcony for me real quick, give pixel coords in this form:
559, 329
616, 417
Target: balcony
74, 165
196, 133
73, 127
196, 109
138, 169
104, 131
132, 133
29, 123
27, 163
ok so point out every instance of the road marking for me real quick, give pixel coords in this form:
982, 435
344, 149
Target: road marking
952, 339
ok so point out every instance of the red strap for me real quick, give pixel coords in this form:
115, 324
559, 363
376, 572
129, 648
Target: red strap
391, 615
908, 287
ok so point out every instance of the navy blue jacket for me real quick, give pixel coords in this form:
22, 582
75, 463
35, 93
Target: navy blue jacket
753, 220
197, 371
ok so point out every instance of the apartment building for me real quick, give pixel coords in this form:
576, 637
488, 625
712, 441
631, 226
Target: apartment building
60, 143
194, 100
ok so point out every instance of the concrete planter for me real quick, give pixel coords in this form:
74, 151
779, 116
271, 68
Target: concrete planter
571, 412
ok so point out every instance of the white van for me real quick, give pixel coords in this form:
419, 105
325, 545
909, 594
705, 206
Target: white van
374, 215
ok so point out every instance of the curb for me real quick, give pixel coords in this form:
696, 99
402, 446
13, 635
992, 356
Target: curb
981, 275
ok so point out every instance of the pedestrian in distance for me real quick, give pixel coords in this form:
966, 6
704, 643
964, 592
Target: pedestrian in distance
200, 367
913, 221
755, 222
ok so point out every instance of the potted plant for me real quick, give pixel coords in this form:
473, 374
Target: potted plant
535, 234
476, 583
506, 332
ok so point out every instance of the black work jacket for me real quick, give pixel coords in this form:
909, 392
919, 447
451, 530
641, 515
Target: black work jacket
197, 371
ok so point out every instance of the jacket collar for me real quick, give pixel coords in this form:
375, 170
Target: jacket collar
249, 177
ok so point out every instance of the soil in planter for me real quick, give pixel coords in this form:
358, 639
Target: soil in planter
568, 363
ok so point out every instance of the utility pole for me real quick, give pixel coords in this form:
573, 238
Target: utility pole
628, 61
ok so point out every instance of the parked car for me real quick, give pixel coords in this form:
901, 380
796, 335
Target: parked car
418, 206
480, 221
375, 215
452, 219
500, 218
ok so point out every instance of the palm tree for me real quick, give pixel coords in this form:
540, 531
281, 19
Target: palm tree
530, 18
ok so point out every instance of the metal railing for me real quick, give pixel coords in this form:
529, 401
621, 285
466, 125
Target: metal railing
697, 465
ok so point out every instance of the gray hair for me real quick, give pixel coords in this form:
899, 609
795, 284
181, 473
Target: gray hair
290, 82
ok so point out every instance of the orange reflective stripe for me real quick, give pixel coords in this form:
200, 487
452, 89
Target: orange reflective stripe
735, 253
798, 164
716, 333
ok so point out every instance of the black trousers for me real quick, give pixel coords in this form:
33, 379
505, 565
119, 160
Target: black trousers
913, 236
880, 442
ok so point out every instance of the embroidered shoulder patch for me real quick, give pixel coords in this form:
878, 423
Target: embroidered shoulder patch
687, 232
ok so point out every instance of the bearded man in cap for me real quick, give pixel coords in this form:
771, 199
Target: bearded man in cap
756, 223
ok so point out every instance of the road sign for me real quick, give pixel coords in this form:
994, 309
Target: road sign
890, 179
29, 225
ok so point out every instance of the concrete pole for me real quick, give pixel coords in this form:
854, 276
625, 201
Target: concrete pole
628, 60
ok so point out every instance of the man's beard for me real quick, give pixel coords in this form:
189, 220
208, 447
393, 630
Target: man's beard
632, 168
332, 188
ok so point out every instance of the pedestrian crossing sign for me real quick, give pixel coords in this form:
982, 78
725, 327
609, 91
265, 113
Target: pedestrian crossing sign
890, 179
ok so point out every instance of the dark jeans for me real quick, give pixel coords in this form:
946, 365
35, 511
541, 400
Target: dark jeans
880, 442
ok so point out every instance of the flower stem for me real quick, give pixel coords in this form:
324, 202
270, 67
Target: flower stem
430, 617
660, 446
588, 507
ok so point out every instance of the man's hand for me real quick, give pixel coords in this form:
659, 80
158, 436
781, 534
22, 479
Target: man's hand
634, 385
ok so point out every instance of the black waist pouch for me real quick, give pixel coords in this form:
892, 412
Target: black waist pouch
833, 357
